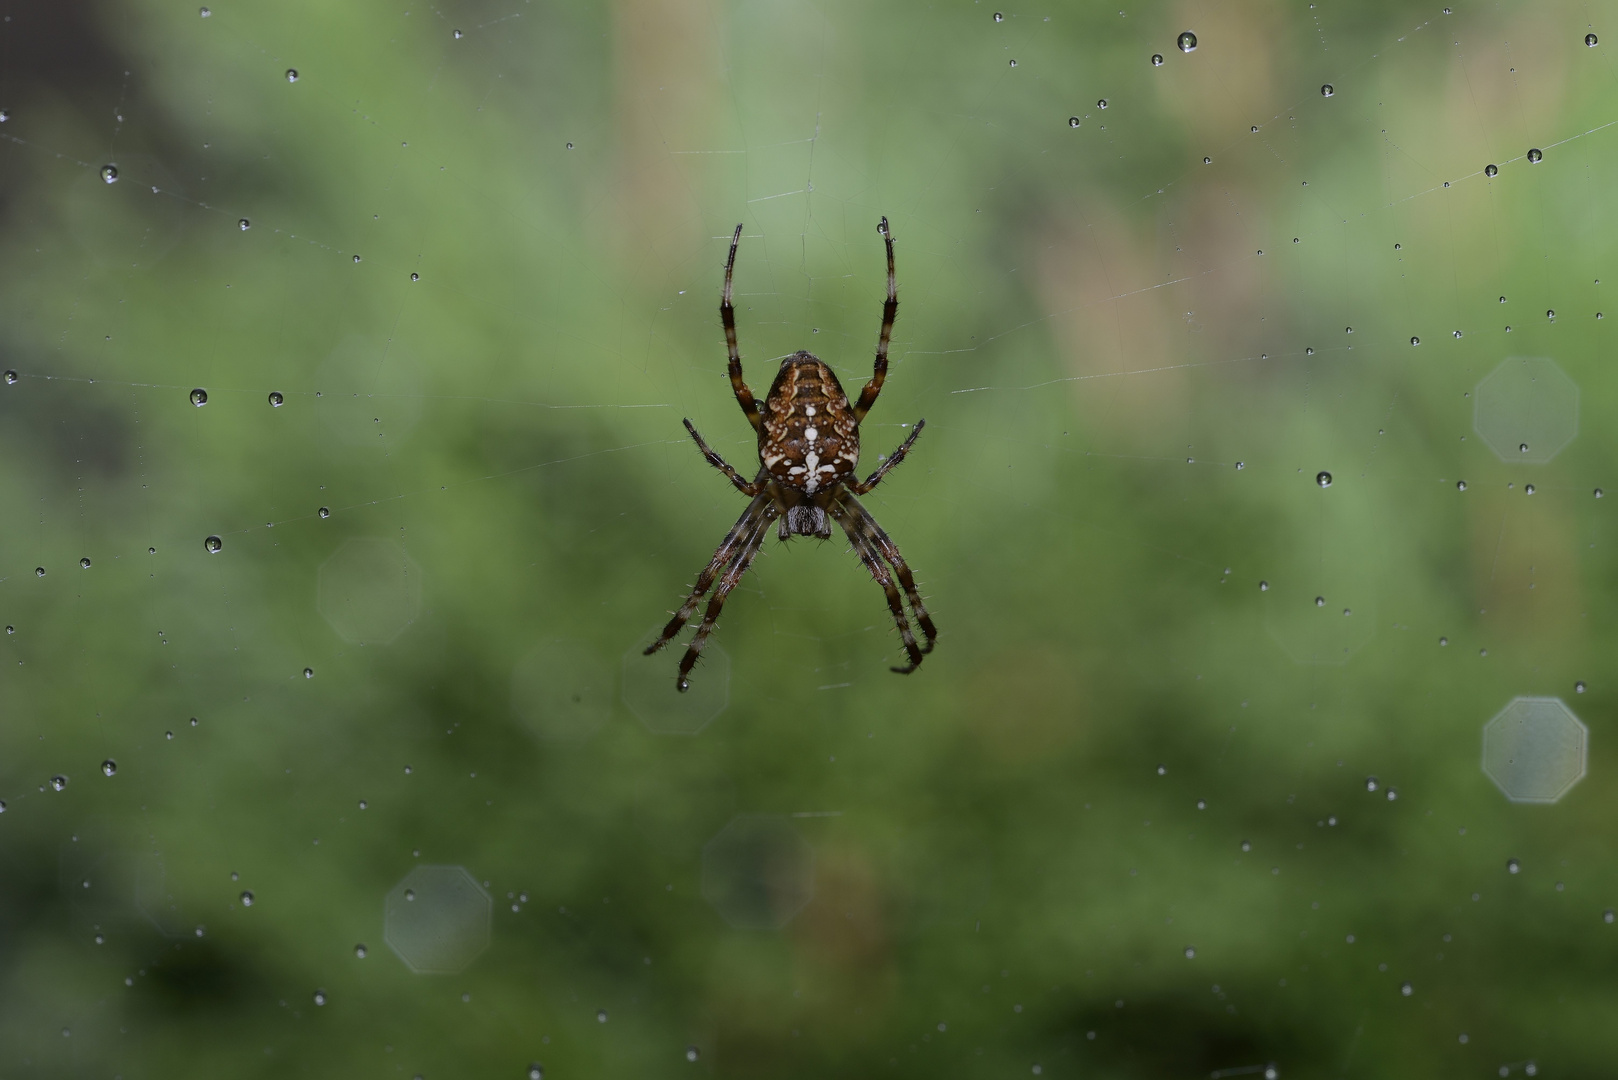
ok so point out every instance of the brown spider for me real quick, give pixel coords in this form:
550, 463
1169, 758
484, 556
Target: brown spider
808, 445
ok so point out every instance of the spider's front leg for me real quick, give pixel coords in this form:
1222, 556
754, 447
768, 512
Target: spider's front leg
724, 466
727, 315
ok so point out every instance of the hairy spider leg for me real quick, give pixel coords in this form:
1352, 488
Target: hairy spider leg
760, 509
890, 551
873, 562
733, 574
727, 314
894, 458
759, 482
890, 311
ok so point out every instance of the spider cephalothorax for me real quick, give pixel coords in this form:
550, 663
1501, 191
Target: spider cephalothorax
808, 446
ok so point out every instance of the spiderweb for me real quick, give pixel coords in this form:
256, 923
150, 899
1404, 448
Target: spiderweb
1261, 352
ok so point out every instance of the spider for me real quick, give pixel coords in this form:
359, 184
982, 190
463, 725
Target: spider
808, 445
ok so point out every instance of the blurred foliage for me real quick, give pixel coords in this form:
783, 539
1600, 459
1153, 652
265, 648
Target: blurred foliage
1119, 824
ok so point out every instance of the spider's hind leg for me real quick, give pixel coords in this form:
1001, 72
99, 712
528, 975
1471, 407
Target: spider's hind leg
846, 517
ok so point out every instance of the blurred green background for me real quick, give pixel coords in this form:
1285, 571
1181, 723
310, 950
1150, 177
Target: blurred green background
394, 793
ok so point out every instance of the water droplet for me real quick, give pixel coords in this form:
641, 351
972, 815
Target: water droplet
1513, 866
1326, 90
168, 735
247, 898
1202, 804
1535, 157
85, 563
109, 173
1598, 493
410, 894
204, 12
570, 146
1371, 783
356, 258
1014, 63
320, 997
11, 378
1247, 845
244, 224
457, 35
1264, 586
1157, 59
536, 1071
325, 512
691, 1053
11, 629
1529, 490
1323, 479
309, 673
1187, 42
193, 721
4, 116
213, 544
292, 74
1591, 40
1457, 335
1320, 601
1398, 247
1162, 770
998, 17
199, 397
1606, 916
109, 767
601, 1016
1102, 104
1443, 641
415, 277
39, 571
1415, 341
1207, 161
1393, 794
1255, 129
1578, 687
1550, 313
1240, 465
276, 399
58, 783
1460, 485
360, 951
1073, 121
1523, 449
1491, 170
101, 939
1406, 989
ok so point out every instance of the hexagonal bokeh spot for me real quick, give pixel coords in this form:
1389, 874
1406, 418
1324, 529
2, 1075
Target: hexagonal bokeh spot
437, 919
1527, 410
154, 898
650, 693
758, 872
1535, 749
563, 689
369, 590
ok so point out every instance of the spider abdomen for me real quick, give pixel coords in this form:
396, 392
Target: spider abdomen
809, 439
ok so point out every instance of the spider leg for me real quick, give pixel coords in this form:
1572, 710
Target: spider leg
890, 311
733, 574
893, 459
873, 562
890, 551
727, 315
723, 466
757, 510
